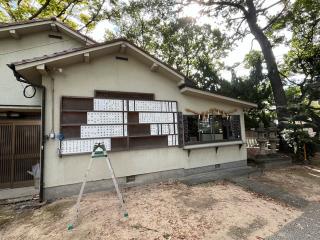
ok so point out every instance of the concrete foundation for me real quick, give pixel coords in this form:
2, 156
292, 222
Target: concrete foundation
52, 193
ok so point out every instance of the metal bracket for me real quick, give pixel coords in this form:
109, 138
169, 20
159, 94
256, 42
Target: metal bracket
217, 149
189, 151
240, 146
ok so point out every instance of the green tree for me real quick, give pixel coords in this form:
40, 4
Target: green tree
79, 14
178, 41
302, 72
244, 17
253, 88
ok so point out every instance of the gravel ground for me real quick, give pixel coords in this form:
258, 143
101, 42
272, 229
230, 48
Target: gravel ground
158, 211
302, 181
307, 226
297, 186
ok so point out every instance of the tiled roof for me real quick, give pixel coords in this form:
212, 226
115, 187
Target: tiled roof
3, 24
53, 19
72, 50
187, 82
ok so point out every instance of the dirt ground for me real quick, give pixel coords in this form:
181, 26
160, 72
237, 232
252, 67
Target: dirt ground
303, 181
159, 211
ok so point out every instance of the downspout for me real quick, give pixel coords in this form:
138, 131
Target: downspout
22, 79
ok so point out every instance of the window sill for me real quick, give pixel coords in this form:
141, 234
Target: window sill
216, 144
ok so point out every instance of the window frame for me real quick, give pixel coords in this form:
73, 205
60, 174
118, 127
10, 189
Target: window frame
226, 122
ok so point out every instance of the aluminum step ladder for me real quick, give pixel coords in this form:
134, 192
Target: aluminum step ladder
99, 151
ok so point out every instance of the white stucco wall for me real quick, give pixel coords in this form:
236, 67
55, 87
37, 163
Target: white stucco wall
28, 46
107, 73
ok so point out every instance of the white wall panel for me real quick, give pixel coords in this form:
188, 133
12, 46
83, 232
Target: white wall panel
105, 117
102, 131
82, 145
155, 117
107, 104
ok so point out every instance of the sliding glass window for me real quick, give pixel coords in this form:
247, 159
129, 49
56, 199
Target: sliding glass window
211, 128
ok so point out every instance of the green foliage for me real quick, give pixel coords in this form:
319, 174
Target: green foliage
179, 41
78, 14
254, 88
302, 71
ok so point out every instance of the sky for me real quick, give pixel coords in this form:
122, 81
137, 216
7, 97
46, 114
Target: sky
235, 56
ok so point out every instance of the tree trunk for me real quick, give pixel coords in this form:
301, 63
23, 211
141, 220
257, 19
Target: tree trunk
273, 71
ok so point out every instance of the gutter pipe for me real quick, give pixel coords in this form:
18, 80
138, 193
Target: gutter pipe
22, 79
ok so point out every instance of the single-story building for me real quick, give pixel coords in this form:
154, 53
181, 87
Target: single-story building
155, 124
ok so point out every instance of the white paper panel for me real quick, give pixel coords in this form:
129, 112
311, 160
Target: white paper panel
125, 130
152, 106
170, 140
163, 106
101, 131
174, 107
131, 105
148, 106
175, 117
82, 145
107, 105
104, 117
173, 140
176, 128
154, 129
155, 117
165, 129
125, 118
171, 128
125, 105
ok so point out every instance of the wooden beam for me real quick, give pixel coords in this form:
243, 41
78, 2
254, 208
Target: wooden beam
42, 69
123, 48
14, 34
86, 57
54, 27
154, 67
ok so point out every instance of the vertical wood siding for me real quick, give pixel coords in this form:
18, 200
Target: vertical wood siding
19, 150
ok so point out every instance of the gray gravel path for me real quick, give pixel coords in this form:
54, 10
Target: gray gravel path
271, 191
306, 227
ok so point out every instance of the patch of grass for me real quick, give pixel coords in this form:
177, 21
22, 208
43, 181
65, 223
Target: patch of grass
138, 226
6, 216
56, 209
4, 220
166, 236
243, 232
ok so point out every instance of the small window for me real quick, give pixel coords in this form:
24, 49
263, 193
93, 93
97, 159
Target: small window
130, 179
54, 36
122, 58
211, 128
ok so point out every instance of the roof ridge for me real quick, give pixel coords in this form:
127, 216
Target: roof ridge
61, 53
52, 19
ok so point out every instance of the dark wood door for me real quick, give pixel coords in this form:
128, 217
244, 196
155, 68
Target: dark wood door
19, 151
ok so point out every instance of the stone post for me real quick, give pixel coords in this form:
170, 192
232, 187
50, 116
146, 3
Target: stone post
262, 140
273, 138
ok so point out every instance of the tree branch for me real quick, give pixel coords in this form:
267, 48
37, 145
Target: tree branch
272, 5
272, 21
8, 9
43, 7
222, 3
66, 7
94, 16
